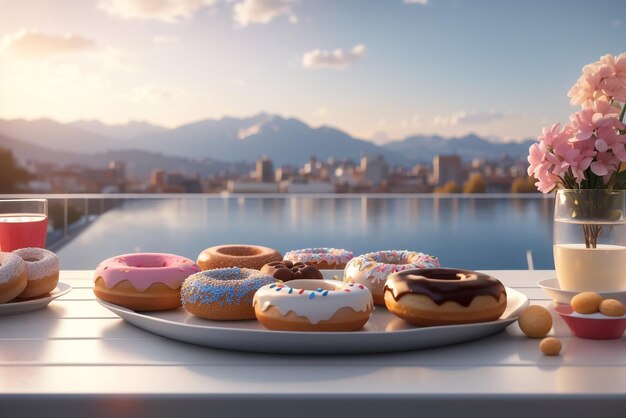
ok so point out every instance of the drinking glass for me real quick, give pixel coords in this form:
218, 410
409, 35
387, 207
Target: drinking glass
23, 223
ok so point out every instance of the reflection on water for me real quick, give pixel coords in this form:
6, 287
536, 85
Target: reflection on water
462, 232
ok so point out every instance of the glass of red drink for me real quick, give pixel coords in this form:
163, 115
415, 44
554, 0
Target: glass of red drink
23, 223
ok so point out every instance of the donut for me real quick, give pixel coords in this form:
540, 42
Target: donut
223, 294
244, 256
287, 271
372, 269
427, 297
322, 258
313, 305
42, 271
12, 276
143, 281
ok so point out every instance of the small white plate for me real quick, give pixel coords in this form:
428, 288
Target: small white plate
384, 332
29, 305
552, 288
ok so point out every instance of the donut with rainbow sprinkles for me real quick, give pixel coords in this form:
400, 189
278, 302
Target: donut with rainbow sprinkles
372, 269
223, 294
313, 305
323, 258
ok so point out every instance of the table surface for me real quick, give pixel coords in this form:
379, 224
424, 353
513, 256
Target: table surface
76, 354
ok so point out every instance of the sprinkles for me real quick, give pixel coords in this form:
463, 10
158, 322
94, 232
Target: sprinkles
226, 286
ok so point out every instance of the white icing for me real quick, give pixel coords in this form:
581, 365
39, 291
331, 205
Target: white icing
320, 307
46, 264
372, 269
11, 266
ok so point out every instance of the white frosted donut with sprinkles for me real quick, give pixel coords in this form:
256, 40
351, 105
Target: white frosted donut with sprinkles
313, 305
12, 276
322, 258
42, 271
372, 269
223, 294
143, 281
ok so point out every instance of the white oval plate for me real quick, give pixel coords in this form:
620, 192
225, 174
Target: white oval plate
29, 305
384, 332
552, 288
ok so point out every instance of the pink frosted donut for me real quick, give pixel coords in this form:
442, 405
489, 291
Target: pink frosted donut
143, 281
322, 258
372, 269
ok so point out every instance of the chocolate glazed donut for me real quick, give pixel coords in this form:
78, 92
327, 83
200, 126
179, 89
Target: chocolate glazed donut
287, 271
439, 296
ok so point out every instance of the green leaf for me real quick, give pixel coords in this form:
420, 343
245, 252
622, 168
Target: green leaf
621, 178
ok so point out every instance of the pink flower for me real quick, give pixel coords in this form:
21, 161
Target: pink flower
544, 166
605, 164
576, 157
603, 78
599, 114
554, 136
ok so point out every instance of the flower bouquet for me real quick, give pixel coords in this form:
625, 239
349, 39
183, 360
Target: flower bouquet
583, 160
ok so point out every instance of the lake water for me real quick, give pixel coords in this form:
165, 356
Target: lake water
474, 233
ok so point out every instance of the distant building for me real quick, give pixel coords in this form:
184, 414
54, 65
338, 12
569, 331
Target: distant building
236, 186
265, 170
447, 168
375, 169
164, 182
293, 186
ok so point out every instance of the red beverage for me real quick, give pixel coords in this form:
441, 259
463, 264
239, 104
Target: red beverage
22, 230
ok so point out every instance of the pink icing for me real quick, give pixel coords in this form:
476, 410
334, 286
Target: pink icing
142, 270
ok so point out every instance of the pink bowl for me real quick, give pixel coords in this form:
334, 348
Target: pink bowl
593, 328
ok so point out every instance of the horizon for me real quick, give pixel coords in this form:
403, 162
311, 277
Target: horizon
379, 71
492, 139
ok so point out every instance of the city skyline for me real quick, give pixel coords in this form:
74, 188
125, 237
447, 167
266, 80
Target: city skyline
378, 70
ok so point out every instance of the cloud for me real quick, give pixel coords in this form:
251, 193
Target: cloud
30, 43
336, 59
153, 94
468, 118
169, 11
262, 11
165, 40
421, 2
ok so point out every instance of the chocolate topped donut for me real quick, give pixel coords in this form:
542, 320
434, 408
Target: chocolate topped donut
440, 296
286, 271
441, 285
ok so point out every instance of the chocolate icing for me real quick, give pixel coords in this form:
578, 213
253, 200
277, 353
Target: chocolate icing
442, 285
286, 271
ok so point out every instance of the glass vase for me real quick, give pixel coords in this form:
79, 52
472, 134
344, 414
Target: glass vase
590, 240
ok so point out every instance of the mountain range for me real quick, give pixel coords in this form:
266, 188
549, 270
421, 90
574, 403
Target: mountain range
199, 146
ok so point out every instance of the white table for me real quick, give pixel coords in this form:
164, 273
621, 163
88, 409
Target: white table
76, 358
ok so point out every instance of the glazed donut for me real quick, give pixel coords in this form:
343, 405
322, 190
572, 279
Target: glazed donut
287, 271
12, 276
372, 269
244, 256
322, 258
42, 271
313, 305
444, 296
223, 294
143, 281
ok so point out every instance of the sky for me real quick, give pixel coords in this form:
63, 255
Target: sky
379, 70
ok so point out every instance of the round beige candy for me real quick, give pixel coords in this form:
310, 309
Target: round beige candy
535, 321
586, 302
550, 346
612, 307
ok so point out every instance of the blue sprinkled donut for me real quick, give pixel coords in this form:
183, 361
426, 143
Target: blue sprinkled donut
223, 294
